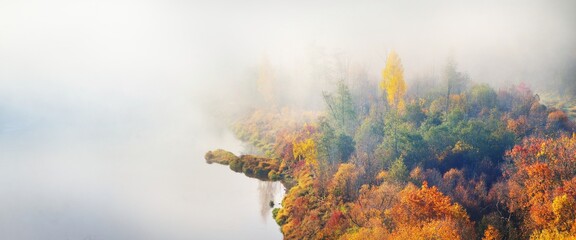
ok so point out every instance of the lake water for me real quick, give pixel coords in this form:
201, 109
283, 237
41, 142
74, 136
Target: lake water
127, 173
106, 112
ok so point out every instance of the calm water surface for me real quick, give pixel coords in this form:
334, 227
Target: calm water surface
137, 173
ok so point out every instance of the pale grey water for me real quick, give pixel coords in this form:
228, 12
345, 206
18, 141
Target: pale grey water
128, 173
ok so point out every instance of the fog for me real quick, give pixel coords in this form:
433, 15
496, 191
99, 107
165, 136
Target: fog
107, 107
142, 54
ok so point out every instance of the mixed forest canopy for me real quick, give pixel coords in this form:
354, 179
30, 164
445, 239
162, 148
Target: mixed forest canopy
454, 160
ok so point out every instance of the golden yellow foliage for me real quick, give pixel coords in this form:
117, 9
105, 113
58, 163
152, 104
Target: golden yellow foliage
306, 150
381, 175
375, 233
438, 229
491, 233
564, 208
552, 234
343, 181
393, 81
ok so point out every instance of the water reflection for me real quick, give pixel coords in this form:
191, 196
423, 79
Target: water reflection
271, 194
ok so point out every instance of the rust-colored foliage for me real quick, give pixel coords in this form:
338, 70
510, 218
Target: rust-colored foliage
421, 210
450, 173
343, 184
558, 120
492, 233
518, 126
541, 187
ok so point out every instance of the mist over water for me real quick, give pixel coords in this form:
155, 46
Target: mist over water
124, 176
107, 107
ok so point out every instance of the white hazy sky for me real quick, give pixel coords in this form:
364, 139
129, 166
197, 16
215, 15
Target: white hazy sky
65, 52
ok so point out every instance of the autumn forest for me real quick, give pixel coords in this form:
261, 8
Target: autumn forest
459, 159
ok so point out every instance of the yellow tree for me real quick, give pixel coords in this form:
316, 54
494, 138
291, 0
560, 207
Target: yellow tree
393, 81
306, 150
395, 87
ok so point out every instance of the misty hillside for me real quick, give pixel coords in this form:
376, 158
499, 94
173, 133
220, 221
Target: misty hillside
387, 161
370, 119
